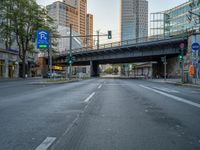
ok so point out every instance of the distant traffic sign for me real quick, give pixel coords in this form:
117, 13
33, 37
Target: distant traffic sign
195, 46
42, 39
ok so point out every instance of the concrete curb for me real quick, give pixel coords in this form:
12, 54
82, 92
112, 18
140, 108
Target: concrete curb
188, 85
53, 83
120, 78
178, 83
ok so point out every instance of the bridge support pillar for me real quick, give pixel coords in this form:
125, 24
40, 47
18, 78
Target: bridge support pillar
173, 68
94, 69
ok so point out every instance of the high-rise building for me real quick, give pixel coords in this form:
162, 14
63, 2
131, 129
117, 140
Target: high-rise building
81, 8
82, 14
64, 14
134, 19
71, 12
89, 30
176, 20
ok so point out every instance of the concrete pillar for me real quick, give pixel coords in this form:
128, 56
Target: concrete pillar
188, 57
173, 67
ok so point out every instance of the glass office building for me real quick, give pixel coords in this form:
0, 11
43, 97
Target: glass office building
134, 19
176, 20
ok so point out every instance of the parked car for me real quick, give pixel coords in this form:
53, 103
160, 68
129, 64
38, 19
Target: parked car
54, 75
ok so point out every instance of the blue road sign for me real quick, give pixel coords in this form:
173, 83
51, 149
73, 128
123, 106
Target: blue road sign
42, 39
195, 46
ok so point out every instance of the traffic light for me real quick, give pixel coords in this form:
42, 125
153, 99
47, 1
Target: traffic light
180, 57
109, 34
70, 59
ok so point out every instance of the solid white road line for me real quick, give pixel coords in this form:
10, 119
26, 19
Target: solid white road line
89, 97
166, 90
173, 97
46, 143
99, 86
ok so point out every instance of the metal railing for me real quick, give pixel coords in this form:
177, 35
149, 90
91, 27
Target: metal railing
126, 43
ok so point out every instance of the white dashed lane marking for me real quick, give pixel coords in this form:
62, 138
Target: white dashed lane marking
89, 97
99, 86
46, 143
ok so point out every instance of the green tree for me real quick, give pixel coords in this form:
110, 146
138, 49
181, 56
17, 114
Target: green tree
5, 24
21, 19
109, 70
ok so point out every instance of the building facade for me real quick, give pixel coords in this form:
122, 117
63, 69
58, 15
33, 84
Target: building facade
63, 43
64, 14
9, 64
89, 31
81, 8
134, 19
82, 14
70, 12
176, 20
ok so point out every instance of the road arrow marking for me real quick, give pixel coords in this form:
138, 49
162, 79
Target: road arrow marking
173, 97
46, 143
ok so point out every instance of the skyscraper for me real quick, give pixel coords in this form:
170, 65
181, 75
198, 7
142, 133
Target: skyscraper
89, 30
81, 8
64, 14
134, 19
71, 12
82, 14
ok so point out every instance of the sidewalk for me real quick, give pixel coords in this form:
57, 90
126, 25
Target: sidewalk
166, 81
176, 81
19, 79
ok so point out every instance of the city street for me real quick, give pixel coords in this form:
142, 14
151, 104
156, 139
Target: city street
99, 114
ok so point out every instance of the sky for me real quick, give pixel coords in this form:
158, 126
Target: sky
107, 13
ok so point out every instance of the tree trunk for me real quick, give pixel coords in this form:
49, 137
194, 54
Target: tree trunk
23, 67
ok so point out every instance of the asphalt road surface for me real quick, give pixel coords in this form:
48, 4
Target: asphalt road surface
99, 114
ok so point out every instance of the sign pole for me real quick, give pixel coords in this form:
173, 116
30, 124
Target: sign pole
182, 69
195, 58
70, 53
50, 57
182, 46
197, 65
165, 67
50, 62
44, 42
